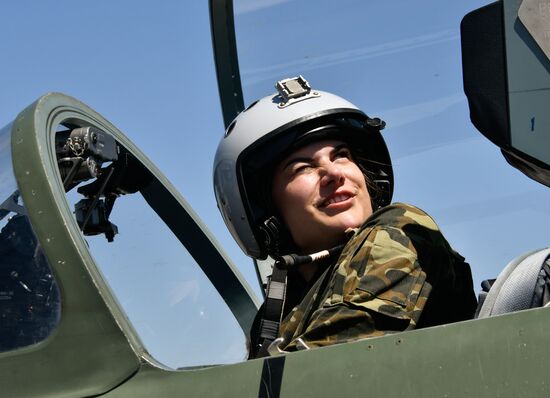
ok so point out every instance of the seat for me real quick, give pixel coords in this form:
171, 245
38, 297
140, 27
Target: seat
524, 283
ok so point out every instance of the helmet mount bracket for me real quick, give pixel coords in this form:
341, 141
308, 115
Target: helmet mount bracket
294, 90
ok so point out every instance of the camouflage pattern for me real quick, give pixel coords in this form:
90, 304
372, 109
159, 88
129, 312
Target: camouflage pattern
379, 284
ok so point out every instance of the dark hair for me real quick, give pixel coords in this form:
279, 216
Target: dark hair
375, 191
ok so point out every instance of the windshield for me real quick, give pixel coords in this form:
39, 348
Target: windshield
30, 305
401, 61
133, 227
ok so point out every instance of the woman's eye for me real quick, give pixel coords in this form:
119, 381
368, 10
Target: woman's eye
300, 168
343, 153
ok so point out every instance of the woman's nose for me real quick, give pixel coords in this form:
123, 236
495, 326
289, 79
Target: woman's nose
332, 173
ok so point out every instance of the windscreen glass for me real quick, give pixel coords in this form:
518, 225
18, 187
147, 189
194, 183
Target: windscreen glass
401, 61
177, 313
30, 305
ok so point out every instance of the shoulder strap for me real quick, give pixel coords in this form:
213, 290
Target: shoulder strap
276, 294
273, 310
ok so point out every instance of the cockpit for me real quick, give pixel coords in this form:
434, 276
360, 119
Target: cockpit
108, 275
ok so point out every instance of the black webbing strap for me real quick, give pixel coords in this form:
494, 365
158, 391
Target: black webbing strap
276, 293
273, 309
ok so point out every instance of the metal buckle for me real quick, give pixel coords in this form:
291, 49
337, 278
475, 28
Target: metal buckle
274, 348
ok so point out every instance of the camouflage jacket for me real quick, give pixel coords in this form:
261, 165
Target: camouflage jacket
396, 273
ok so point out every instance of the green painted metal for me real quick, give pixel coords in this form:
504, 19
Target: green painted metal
95, 347
505, 356
222, 25
88, 353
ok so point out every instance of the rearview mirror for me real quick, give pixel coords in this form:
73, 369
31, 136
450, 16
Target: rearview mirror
506, 71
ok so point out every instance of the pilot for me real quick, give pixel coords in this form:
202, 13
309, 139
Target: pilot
304, 177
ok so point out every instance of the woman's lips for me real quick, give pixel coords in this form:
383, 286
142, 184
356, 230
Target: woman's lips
337, 200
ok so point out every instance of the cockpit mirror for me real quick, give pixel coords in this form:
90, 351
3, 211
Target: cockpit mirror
506, 71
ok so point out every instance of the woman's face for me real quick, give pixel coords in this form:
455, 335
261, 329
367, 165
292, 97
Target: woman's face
320, 192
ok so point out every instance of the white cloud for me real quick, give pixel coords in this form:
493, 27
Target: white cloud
186, 289
245, 6
412, 113
255, 75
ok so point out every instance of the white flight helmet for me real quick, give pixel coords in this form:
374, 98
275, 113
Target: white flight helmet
267, 131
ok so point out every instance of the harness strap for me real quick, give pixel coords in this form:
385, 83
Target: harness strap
273, 309
276, 294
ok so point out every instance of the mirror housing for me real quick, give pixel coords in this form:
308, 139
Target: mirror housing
506, 74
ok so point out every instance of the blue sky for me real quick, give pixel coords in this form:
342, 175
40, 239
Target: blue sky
148, 68
402, 61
